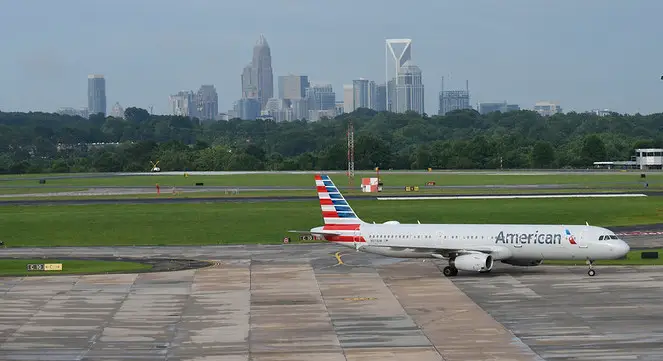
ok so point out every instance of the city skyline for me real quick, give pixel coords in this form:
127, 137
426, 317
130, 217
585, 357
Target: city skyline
587, 55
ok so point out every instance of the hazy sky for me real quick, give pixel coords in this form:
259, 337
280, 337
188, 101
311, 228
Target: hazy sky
582, 53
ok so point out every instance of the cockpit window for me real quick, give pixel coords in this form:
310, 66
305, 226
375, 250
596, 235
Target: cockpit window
607, 237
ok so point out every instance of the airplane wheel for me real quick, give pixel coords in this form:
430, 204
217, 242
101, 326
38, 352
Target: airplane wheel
591, 272
448, 271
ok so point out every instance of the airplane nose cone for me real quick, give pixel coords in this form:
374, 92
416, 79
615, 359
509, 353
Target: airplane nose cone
624, 248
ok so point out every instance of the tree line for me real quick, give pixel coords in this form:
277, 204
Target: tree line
38, 142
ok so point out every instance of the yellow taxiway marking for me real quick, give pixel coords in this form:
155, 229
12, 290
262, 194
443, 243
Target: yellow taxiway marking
338, 258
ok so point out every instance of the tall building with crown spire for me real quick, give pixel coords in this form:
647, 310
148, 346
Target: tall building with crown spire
257, 77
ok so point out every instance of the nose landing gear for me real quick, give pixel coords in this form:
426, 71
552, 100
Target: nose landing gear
591, 271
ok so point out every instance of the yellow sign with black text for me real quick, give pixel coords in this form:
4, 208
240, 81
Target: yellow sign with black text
45, 267
53, 267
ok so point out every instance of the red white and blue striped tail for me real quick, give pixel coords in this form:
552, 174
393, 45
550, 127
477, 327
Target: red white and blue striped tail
335, 209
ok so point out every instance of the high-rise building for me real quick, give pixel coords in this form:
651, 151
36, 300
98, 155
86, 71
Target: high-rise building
249, 84
361, 93
321, 97
183, 104
299, 108
381, 97
339, 107
247, 109
262, 70
397, 52
96, 94
348, 98
546, 108
409, 89
293, 87
117, 111
451, 100
207, 103
391, 95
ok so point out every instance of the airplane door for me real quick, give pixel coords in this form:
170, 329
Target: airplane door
440, 238
581, 240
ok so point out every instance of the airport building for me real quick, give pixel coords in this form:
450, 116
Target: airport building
644, 159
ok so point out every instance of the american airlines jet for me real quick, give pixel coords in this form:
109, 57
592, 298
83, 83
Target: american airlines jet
468, 247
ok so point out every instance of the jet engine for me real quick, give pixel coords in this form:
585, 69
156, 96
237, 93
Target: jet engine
522, 263
479, 262
392, 222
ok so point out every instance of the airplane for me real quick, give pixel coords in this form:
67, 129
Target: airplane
467, 247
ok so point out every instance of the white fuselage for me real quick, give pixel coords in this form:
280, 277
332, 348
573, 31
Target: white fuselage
503, 241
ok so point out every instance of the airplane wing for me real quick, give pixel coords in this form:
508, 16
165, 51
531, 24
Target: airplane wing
498, 252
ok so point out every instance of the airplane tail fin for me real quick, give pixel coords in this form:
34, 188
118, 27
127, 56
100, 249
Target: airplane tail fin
335, 209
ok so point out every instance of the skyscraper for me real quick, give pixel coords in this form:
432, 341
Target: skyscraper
293, 87
262, 70
399, 51
348, 98
207, 103
451, 100
96, 94
381, 97
321, 101
183, 104
117, 111
361, 93
249, 85
409, 89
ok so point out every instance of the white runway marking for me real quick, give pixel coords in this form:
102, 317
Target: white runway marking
599, 195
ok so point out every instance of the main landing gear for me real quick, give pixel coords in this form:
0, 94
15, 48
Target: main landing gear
450, 270
591, 271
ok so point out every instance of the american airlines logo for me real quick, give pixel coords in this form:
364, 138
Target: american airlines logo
528, 238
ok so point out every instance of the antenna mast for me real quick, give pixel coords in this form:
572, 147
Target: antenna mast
351, 152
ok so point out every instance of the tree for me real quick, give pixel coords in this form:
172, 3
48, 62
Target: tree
543, 155
593, 149
463, 139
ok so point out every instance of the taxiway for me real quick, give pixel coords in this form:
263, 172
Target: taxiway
310, 302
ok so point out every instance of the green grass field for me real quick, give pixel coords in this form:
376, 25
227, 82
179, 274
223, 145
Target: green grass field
633, 258
35, 190
268, 222
390, 179
18, 267
190, 194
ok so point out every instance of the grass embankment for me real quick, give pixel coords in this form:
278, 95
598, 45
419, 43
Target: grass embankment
389, 179
633, 258
268, 222
18, 267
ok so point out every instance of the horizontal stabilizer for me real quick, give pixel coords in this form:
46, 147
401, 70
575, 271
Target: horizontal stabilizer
323, 233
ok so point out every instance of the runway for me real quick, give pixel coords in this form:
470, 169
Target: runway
271, 198
312, 302
437, 171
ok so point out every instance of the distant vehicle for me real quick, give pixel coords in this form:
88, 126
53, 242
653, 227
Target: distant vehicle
154, 167
468, 247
